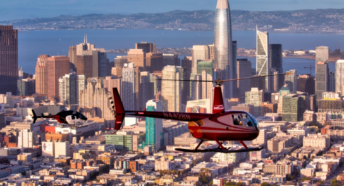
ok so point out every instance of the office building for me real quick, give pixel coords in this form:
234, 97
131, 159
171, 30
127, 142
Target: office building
263, 63
199, 52
137, 57
283, 91
70, 86
170, 59
278, 143
125, 140
9, 59
187, 66
95, 98
89, 61
72, 54
84, 65
120, 60
146, 89
291, 80
317, 141
211, 52
275, 80
116, 71
243, 71
322, 54
154, 132
331, 81
339, 79
129, 86
256, 97
321, 78
26, 87
196, 87
306, 83
26, 139
294, 105
41, 75
223, 51
146, 47
111, 82
275, 55
154, 78
207, 87
258, 82
56, 66
171, 90
154, 62
61, 149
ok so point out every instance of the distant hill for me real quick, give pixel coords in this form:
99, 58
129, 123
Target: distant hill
320, 20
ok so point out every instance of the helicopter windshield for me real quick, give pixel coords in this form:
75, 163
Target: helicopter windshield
254, 121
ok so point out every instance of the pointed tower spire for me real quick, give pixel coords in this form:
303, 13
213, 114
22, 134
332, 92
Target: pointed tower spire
222, 4
84, 38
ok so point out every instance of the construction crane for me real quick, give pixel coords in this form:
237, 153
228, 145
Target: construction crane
21, 97
310, 69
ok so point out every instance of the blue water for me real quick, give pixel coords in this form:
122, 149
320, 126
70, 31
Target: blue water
57, 42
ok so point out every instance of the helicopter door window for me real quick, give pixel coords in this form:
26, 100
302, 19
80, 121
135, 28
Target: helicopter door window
237, 119
247, 120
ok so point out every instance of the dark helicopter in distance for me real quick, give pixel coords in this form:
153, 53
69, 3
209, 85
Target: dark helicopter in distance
67, 117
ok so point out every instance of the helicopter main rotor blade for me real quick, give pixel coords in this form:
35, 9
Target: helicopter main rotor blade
226, 80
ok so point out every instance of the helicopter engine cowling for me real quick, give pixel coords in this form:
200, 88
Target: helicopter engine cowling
194, 128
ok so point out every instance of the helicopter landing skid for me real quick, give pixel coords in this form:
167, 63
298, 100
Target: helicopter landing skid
220, 150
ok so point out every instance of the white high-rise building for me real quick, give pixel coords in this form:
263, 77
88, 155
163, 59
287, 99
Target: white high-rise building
26, 139
70, 86
340, 76
171, 90
291, 80
61, 149
322, 54
199, 52
129, 86
207, 87
263, 64
154, 125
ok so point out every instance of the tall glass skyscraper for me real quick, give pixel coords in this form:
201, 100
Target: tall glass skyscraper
263, 64
223, 46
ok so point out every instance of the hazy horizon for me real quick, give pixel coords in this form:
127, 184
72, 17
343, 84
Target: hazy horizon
28, 9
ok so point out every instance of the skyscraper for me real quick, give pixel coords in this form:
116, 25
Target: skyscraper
321, 78
275, 55
146, 89
199, 52
171, 90
154, 132
120, 60
263, 64
291, 80
306, 83
129, 86
170, 59
41, 75
94, 100
26, 86
70, 86
8, 59
56, 66
223, 45
146, 47
340, 76
321, 54
243, 71
331, 82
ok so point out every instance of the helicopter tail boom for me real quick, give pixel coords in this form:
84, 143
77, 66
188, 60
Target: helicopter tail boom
119, 109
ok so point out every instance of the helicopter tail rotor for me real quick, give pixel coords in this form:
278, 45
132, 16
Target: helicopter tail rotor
34, 116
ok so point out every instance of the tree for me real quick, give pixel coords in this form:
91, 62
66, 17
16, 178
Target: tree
229, 184
204, 179
239, 184
305, 179
335, 183
265, 184
211, 183
289, 177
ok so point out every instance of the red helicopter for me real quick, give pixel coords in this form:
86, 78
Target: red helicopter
219, 126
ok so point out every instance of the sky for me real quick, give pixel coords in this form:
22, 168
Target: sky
20, 9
